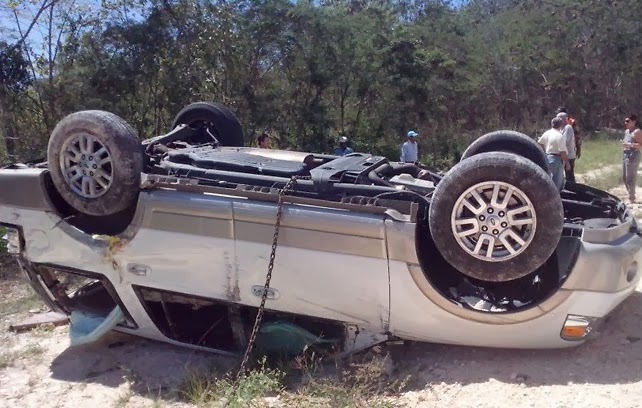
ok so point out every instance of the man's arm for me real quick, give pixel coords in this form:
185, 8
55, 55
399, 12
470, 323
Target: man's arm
637, 139
567, 164
403, 153
564, 153
569, 137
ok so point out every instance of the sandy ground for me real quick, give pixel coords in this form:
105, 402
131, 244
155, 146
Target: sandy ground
596, 173
38, 369
619, 191
125, 371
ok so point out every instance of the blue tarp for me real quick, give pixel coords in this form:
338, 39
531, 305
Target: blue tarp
88, 327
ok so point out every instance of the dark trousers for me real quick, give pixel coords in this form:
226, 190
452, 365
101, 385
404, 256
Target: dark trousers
570, 174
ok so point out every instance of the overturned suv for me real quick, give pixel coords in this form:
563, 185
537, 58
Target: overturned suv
172, 238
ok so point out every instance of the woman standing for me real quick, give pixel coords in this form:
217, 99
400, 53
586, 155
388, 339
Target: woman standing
631, 154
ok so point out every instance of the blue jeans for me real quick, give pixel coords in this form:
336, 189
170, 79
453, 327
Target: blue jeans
556, 169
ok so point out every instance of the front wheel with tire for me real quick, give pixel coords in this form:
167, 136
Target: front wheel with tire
496, 216
95, 160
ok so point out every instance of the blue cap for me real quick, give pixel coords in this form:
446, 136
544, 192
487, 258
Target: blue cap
412, 133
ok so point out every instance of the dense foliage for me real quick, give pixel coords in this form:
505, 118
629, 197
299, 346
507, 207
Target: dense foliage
310, 72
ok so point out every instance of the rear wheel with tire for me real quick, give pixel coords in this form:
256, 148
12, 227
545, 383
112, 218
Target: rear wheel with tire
95, 161
511, 142
496, 217
215, 118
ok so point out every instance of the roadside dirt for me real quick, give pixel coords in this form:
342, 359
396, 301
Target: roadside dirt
622, 194
619, 191
595, 174
38, 369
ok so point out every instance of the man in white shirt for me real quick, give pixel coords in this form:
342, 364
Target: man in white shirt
409, 150
554, 144
569, 135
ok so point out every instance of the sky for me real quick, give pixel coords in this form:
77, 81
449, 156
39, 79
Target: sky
37, 37
27, 10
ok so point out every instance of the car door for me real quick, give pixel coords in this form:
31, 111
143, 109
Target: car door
329, 263
185, 244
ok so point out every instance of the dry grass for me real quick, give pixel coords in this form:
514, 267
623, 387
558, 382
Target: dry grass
368, 383
597, 154
9, 358
17, 298
212, 389
600, 164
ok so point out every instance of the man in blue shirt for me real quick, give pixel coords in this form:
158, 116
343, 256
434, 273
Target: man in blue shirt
409, 150
343, 148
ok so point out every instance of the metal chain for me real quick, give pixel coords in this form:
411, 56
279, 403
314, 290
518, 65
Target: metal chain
268, 277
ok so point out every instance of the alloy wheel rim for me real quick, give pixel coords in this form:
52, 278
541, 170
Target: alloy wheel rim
493, 221
86, 166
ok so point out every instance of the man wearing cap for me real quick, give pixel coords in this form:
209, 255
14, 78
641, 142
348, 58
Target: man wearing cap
409, 150
569, 136
343, 148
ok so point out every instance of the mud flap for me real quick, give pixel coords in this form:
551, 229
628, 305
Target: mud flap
88, 327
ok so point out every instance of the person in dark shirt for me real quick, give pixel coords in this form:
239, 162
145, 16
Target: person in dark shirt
264, 141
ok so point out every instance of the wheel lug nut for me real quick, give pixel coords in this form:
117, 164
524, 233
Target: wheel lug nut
495, 232
504, 224
91, 173
84, 172
82, 157
91, 158
94, 166
490, 211
482, 218
501, 213
484, 228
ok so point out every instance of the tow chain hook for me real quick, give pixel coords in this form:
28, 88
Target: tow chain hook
268, 277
